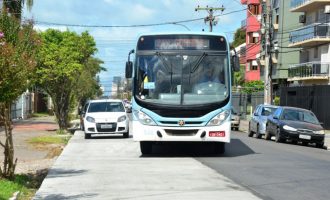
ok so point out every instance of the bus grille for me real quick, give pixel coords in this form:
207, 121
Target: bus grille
173, 132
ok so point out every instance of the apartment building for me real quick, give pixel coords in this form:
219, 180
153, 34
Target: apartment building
282, 21
252, 27
314, 40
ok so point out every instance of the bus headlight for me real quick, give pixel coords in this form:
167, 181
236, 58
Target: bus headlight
90, 119
144, 118
219, 118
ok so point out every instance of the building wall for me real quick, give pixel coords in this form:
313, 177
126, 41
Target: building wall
252, 68
287, 56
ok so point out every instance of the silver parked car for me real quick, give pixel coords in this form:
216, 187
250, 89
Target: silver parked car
257, 124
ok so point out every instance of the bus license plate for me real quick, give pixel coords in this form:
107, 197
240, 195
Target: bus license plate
306, 137
106, 126
217, 134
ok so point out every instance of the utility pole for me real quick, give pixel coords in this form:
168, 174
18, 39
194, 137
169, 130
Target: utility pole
267, 26
210, 18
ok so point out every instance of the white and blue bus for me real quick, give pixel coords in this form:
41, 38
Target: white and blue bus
181, 89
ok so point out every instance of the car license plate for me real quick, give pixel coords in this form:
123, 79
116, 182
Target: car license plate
306, 137
217, 134
105, 126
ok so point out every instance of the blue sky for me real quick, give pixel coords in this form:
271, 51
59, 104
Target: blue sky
114, 43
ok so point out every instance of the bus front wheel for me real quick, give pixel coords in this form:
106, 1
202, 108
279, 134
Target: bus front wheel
146, 147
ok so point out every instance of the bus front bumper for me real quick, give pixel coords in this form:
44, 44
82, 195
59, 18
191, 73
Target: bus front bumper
194, 134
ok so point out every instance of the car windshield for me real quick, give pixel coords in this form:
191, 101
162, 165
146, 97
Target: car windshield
106, 107
267, 111
182, 79
299, 115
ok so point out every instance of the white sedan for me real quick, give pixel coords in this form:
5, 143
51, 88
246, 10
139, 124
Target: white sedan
106, 116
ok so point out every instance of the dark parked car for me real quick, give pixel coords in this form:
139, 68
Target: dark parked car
257, 124
296, 124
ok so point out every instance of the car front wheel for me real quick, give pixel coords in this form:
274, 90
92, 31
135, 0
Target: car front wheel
87, 135
267, 135
278, 137
250, 133
258, 135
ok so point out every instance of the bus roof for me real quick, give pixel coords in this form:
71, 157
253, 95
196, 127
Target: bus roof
183, 33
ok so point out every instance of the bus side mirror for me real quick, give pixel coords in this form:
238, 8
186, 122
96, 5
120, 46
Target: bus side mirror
235, 63
129, 69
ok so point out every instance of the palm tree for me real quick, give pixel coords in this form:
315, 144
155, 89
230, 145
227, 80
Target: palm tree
15, 7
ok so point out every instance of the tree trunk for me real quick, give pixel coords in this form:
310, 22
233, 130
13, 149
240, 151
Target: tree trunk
9, 164
61, 108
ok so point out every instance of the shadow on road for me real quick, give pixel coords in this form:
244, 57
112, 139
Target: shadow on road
55, 173
195, 149
237, 148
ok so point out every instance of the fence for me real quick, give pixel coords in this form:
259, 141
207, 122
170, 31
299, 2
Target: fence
22, 108
314, 98
246, 103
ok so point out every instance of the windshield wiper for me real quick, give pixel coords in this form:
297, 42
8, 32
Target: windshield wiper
169, 69
160, 55
199, 60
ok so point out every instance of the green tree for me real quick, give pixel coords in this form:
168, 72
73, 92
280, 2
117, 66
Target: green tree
239, 76
61, 62
15, 7
253, 86
18, 44
239, 37
88, 85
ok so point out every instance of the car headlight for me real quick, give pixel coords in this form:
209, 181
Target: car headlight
320, 132
121, 119
289, 128
219, 118
90, 119
144, 118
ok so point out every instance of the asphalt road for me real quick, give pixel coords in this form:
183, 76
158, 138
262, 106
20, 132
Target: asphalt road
275, 171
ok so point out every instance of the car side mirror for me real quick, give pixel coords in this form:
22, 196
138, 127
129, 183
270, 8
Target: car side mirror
129, 69
255, 114
275, 117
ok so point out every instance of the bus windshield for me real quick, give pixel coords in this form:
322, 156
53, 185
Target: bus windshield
182, 79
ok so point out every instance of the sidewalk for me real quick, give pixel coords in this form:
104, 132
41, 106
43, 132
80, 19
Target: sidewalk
244, 127
32, 158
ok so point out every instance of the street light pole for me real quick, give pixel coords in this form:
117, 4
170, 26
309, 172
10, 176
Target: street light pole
268, 85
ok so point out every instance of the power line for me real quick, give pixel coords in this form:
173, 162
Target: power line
128, 26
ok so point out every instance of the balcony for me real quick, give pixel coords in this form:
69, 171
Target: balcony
311, 35
309, 71
306, 5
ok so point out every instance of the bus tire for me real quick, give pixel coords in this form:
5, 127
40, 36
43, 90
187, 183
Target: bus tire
219, 148
146, 147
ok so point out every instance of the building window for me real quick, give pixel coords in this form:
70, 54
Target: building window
252, 65
316, 52
254, 9
253, 37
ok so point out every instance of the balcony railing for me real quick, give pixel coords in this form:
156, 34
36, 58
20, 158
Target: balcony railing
309, 70
297, 3
316, 30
